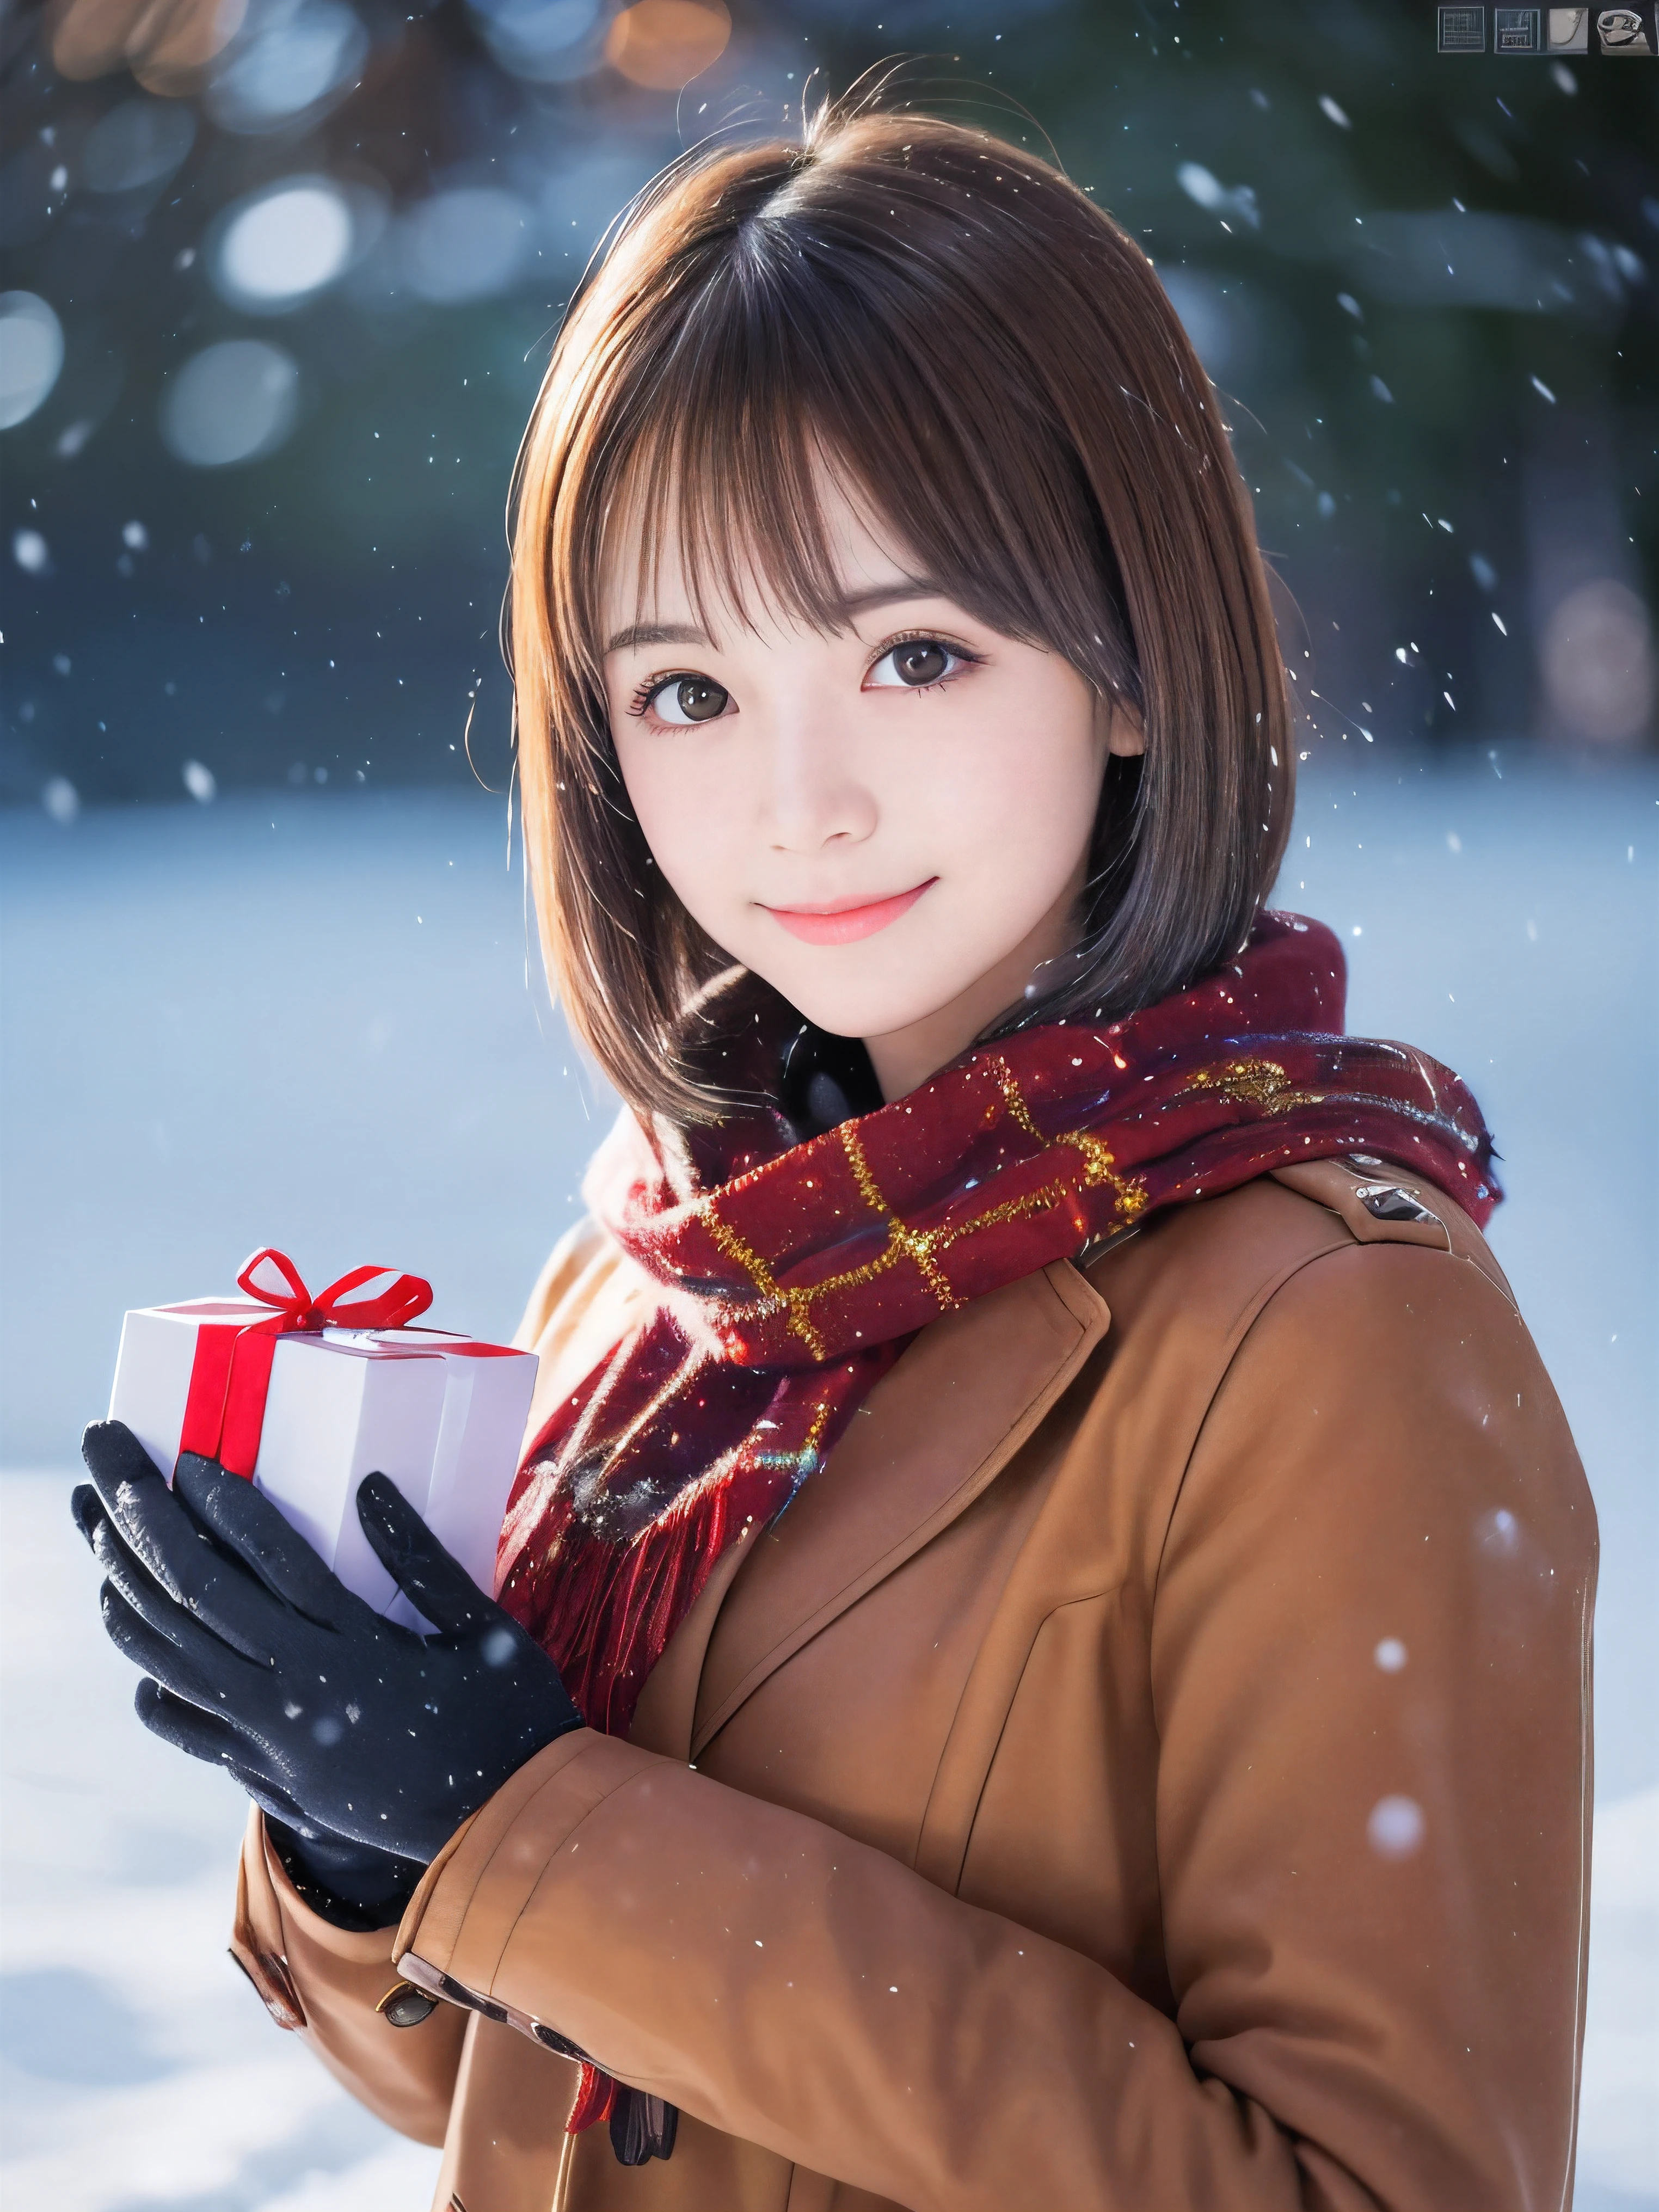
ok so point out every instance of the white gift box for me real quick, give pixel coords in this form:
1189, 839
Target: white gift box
441, 1415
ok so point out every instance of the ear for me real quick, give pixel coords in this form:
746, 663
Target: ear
1120, 722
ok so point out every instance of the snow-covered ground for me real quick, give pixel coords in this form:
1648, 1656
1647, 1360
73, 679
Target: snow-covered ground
305, 1021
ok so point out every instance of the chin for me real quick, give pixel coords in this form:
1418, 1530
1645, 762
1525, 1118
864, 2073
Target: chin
845, 1010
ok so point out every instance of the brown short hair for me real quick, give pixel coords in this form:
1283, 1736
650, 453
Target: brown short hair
989, 364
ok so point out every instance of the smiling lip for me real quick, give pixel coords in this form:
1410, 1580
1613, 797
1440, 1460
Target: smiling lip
840, 922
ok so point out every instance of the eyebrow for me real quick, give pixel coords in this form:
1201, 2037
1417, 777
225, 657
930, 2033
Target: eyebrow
856, 604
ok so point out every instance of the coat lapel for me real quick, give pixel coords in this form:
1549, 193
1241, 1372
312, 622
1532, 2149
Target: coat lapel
663, 1717
935, 1430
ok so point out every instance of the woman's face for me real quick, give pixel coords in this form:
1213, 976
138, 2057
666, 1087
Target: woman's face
889, 824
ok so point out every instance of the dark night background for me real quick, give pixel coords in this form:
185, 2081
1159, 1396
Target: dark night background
1425, 283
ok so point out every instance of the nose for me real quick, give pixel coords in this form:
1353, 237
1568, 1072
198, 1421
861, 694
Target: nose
811, 795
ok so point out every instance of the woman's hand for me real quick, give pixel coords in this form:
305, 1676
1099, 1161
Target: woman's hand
345, 1728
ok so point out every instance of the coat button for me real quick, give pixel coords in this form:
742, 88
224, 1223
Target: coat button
1386, 1202
405, 2006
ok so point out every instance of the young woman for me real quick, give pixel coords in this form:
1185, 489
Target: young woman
1043, 1639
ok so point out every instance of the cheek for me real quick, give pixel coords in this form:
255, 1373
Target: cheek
681, 807
1020, 788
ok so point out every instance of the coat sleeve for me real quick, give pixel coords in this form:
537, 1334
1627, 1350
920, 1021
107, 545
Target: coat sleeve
325, 1982
1370, 1614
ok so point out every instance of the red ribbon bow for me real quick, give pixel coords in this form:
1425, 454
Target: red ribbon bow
230, 1375
296, 1309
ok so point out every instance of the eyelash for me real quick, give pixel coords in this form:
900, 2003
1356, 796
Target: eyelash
647, 692
640, 702
958, 651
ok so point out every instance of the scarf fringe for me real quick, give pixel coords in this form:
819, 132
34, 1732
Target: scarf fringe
604, 1612
596, 2098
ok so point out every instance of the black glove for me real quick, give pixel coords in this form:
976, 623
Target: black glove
348, 1884
367, 1744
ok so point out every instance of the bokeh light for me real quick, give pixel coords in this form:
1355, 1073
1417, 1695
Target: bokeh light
166, 43
405, 199
466, 244
172, 46
279, 246
547, 41
1596, 657
140, 143
31, 354
236, 401
294, 60
663, 44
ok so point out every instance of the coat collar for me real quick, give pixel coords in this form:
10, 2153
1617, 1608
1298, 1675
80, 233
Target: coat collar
933, 1433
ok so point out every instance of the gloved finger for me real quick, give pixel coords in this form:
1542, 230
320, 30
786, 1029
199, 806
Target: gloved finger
85, 1511
181, 1721
417, 1562
214, 1616
220, 1685
167, 1542
113, 1455
248, 1525
276, 1803
119, 1467
206, 1737
152, 1521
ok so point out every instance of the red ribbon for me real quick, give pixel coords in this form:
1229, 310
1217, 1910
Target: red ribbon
230, 1375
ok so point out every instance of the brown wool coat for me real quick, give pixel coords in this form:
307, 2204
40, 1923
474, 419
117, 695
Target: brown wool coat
1147, 1768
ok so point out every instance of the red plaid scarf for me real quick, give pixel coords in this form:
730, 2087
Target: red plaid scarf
792, 1274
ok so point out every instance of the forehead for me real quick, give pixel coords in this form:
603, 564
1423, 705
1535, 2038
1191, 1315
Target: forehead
663, 564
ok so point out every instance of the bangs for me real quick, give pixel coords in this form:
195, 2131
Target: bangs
782, 380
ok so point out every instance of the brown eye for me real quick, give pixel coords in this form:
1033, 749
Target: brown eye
914, 663
690, 699
923, 660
